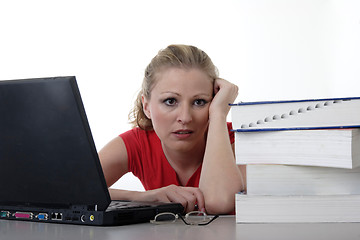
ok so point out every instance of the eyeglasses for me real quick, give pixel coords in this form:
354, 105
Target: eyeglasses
191, 218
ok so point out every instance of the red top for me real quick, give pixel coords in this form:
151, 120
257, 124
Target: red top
147, 161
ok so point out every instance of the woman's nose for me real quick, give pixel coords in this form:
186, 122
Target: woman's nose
184, 114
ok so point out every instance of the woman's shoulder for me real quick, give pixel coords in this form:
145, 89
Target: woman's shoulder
138, 134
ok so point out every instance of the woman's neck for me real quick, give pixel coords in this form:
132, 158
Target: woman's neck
184, 163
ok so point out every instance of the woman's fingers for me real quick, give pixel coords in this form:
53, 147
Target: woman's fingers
189, 197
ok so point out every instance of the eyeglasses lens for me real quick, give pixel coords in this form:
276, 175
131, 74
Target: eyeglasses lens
196, 218
164, 218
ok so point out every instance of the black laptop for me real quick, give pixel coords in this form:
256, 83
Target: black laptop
49, 166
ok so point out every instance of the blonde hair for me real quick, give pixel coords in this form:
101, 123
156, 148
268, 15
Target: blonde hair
181, 56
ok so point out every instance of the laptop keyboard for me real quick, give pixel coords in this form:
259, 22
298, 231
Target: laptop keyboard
114, 205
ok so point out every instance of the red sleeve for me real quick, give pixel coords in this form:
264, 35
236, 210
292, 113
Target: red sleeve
231, 133
133, 148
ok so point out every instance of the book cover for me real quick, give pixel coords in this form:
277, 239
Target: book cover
298, 114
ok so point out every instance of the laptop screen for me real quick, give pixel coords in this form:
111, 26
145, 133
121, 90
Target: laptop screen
47, 154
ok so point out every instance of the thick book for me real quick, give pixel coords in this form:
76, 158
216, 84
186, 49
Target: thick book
297, 209
299, 114
269, 179
324, 148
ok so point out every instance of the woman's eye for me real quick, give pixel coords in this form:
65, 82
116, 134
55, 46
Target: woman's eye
170, 101
200, 102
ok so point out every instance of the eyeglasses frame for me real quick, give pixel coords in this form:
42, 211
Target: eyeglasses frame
177, 216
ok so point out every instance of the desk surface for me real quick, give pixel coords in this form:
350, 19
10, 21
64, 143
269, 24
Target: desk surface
222, 228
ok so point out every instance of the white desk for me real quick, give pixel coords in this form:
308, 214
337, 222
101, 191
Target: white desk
222, 228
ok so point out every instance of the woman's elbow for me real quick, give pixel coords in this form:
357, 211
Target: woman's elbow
220, 205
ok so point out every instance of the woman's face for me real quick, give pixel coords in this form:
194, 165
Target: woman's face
179, 107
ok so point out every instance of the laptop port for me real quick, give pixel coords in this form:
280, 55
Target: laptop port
4, 214
23, 215
56, 216
42, 216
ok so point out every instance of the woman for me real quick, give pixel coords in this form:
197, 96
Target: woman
180, 147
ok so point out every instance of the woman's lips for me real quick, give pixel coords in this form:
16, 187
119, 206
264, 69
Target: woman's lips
183, 133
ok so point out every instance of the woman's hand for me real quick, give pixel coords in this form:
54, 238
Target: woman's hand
191, 198
225, 93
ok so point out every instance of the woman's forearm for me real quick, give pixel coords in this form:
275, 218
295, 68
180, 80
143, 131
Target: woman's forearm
220, 177
119, 194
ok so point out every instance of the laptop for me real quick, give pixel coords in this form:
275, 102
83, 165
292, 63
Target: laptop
49, 166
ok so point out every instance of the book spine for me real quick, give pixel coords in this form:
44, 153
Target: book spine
300, 180
324, 148
297, 209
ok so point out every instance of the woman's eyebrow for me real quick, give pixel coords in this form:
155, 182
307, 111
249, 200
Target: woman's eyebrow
195, 96
170, 92
202, 95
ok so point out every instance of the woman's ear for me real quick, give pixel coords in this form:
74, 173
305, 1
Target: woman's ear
146, 108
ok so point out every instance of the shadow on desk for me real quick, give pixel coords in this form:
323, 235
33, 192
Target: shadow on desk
14, 230
223, 228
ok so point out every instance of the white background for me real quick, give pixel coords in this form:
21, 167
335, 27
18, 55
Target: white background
272, 49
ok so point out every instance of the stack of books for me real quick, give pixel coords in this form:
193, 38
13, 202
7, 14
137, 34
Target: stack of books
303, 160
